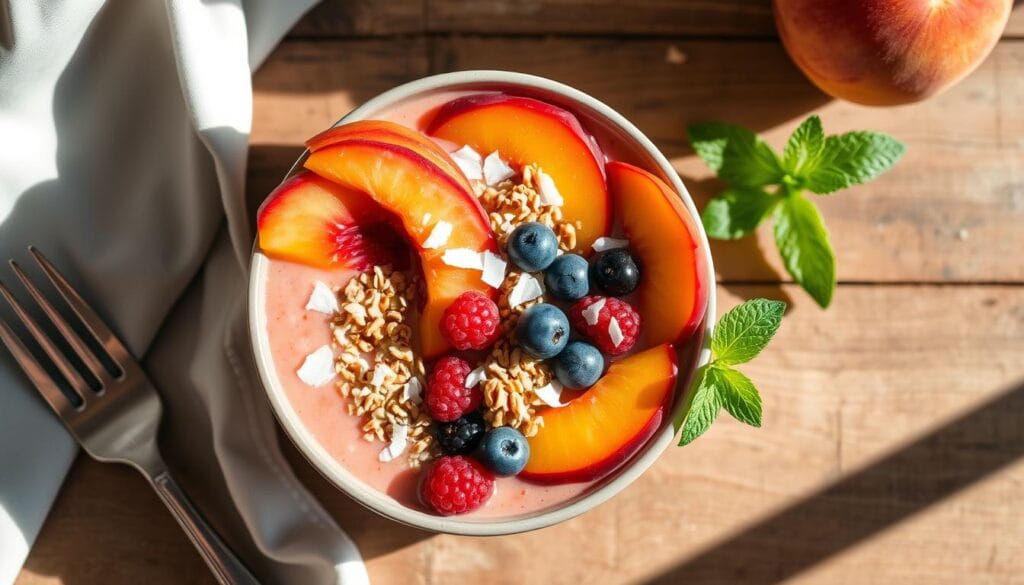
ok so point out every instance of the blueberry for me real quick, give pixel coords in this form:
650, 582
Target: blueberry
532, 246
615, 272
566, 278
504, 451
579, 365
543, 330
462, 435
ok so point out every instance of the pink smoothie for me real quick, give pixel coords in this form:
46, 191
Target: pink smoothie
294, 332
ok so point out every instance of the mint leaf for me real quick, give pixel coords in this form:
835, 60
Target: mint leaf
850, 159
737, 394
803, 243
739, 336
745, 330
703, 408
736, 212
761, 183
736, 154
804, 147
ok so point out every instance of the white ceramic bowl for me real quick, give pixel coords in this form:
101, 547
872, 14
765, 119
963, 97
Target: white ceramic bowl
592, 112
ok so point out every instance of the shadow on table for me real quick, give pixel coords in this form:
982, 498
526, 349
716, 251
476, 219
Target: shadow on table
936, 466
743, 262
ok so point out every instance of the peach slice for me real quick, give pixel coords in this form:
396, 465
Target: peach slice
596, 432
391, 133
524, 130
313, 221
673, 284
421, 195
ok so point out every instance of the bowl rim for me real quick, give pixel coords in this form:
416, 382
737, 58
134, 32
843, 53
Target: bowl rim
372, 498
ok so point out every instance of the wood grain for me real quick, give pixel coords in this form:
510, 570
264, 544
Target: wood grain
892, 424
949, 212
360, 18
721, 18
892, 447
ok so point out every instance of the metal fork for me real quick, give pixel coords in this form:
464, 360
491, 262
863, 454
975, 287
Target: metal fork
116, 422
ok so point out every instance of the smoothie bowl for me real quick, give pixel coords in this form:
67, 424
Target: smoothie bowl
477, 300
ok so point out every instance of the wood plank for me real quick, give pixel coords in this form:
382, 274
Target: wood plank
357, 18
723, 18
304, 87
645, 17
108, 526
1015, 28
950, 212
892, 424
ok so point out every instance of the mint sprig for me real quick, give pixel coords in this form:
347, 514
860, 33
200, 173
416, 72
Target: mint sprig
763, 184
740, 336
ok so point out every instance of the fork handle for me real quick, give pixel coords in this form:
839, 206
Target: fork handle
226, 567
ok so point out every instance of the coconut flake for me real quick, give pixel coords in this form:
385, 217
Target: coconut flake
614, 332
399, 441
318, 367
322, 299
463, 258
426, 218
525, 290
605, 243
412, 390
551, 394
469, 162
547, 190
438, 235
592, 312
494, 269
475, 377
380, 372
356, 310
364, 365
496, 170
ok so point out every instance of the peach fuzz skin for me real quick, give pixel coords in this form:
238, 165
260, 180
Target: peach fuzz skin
889, 52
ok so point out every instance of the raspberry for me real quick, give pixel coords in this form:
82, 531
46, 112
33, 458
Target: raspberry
471, 321
624, 314
447, 396
456, 485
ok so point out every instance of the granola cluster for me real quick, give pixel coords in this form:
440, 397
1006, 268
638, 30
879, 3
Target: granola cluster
372, 323
381, 376
513, 375
511, 203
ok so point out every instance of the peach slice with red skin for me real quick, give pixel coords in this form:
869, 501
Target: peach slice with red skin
391, 133
673, 288
315, 222
596, 432
413, 188
525, 130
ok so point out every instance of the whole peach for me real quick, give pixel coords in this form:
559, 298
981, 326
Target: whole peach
887, 52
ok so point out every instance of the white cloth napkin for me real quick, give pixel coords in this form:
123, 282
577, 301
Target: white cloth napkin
123, 143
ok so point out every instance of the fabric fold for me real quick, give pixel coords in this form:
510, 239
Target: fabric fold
132, 119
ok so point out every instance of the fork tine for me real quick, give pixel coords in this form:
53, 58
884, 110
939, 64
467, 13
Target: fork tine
117, 351
40, 379
69, 334
65, 367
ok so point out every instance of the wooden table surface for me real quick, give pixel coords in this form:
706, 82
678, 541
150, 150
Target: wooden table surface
894, 428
